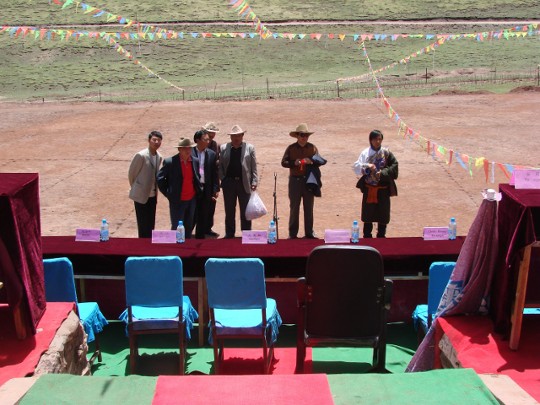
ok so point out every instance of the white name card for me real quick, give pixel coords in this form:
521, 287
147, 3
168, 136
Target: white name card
436, 233
337, 236
86, 235
527, 179
254, 237
163, 236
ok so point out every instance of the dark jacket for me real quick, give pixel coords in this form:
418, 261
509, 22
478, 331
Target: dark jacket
211, 178
313, 175
169, 178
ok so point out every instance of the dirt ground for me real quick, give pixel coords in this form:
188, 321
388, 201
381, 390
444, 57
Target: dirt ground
82, 153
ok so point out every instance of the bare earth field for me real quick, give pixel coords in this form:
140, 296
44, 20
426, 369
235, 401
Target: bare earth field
82, 152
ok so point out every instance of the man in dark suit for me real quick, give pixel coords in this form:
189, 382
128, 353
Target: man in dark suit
179, 181
212, 130
208, 174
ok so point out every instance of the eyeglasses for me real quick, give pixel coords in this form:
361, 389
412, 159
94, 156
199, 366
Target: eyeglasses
304, 135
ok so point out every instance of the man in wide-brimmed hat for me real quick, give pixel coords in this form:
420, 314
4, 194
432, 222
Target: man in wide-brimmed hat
238, 175
142, 180
179, 181
297, 157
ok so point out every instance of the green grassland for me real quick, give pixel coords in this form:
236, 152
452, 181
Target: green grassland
27, 12
216, 67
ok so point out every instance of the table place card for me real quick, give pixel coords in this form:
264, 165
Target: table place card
163, 236
86, 235
254, 237
527, 179
337, 236
436, 233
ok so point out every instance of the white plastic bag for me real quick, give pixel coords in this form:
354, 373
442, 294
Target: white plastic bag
255, 208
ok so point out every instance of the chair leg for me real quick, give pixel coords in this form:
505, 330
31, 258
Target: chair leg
97, 352
217, 354
182, 356
300, 356
98, 348
379, 358
133, 353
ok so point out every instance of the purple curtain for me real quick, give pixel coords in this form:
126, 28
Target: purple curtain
468, 291
21, 263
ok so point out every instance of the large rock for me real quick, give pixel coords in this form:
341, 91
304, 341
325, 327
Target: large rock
68, 350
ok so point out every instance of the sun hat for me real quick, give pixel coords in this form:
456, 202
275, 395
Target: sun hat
236, 130
210, 127
300, 129
185, 143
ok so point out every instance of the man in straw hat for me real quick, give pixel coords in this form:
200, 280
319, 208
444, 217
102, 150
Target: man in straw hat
238, 174
179, 181
297, 157
211, 129
142, 180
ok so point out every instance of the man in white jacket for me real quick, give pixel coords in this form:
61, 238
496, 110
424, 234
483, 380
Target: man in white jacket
142, 180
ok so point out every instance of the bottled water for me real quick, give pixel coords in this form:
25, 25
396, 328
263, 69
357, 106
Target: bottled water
452, 229
272, 233
355, 232
180, 232
104, 231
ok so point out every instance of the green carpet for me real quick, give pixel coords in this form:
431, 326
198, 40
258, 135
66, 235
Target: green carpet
60, 389
160, 358
441, 387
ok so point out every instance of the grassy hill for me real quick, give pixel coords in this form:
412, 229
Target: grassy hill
90, 68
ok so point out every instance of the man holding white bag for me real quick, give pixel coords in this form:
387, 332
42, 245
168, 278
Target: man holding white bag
238, 175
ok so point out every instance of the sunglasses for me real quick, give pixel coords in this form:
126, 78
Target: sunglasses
304, 135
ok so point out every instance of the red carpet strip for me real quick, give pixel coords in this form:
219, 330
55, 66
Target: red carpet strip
308, 389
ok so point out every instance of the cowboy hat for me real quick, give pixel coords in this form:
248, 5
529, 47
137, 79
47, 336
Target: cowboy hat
300, 129
185, 143
210, 127
236, 130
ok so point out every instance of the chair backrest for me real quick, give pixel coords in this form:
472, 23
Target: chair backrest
154, 281
345, 292
235, 283
439, 275
59, 280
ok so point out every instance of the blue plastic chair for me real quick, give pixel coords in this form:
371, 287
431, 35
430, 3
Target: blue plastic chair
60, 287
239, 308
439, 275
155, 300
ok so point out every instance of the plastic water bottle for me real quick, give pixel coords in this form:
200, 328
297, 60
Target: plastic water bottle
180, 232
104, 231
272, 233
452, 229
355, 232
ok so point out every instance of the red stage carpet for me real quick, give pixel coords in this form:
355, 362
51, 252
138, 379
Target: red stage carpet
478, 347
18, 358
309, 389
